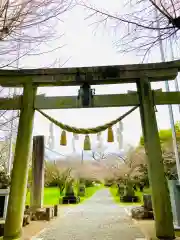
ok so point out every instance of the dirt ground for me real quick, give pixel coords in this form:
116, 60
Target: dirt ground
97, 218
36, 227
148, 229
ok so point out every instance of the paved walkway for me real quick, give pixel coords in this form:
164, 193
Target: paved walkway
98, 218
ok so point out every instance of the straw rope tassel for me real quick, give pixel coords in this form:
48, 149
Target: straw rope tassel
87, 143
110, 135
63, 140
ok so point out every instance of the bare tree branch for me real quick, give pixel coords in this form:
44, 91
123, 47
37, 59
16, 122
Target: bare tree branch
29, 23
135, 23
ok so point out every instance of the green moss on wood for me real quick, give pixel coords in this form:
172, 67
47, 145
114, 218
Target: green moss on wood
160, 193
15, 211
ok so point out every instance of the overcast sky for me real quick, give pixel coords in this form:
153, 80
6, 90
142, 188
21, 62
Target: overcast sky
85, 47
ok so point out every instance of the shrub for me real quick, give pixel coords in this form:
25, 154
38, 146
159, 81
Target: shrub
129, 199
108, 182
51, 175
97, 181
81, 190
87, 182
4, 180
129, 191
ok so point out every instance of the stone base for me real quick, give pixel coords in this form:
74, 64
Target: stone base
141, 213
26, 220
42, 213
129, 199
70, 200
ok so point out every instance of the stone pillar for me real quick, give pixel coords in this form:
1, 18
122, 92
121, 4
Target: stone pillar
37, 191
160, 194
19, 176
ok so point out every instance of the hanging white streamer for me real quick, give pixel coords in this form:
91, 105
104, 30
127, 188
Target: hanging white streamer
120, 140
73, 144
99, 136
75, 136
50, 141
120, 126
119, 134
99, 144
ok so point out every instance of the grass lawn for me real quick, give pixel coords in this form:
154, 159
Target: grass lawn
51, 196
89, 192
113, 191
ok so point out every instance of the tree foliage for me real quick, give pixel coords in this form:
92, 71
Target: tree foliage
166, 140
165, 135
133, 166
54, 176
4, 180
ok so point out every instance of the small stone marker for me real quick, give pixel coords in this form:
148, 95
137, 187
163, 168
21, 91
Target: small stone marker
147, 202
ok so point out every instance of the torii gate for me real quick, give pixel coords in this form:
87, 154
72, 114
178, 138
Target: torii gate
145, 98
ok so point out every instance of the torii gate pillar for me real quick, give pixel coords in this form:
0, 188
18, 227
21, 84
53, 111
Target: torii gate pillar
17, 197
160, 194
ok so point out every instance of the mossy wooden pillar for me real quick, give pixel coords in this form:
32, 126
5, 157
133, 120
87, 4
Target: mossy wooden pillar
160, 193
37, 190
17, 197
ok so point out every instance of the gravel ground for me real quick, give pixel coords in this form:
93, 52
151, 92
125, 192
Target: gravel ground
98, 218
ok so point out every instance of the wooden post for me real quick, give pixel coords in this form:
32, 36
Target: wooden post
17, 197
160, 194
37, 172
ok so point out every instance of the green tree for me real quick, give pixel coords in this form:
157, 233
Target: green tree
166, 140
165, 135
56, 177
177, 126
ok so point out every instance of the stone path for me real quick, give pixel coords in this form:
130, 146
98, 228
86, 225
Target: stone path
98, 218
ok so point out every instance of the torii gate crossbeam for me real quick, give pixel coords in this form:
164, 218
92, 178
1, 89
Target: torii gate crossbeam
100, 101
